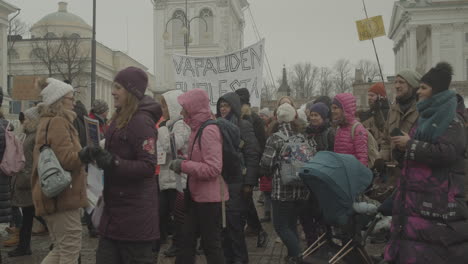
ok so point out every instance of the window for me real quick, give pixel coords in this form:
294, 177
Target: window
75, 35
177, 35
50, 35
206, 36
15, 107
13, 54
466, 37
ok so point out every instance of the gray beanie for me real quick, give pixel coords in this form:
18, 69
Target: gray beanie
32, 113
99, 107
412, 77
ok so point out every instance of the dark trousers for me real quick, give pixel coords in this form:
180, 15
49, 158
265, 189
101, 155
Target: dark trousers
285, 215
120, 252
167, 200
234, 245
204, 219
252, 216
26, 227
179, 217
310, 222
16, 218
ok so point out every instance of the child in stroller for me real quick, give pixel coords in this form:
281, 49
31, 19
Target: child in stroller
338, 182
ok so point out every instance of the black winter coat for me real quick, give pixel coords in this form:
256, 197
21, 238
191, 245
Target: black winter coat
5, 195
249, 147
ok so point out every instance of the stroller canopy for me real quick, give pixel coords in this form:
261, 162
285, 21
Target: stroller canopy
335, 180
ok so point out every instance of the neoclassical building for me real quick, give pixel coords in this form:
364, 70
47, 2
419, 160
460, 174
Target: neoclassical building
5, 10
428, 31
25, 62
223, 33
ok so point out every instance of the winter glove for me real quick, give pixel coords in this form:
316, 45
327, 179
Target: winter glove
87, 154
247, 191
176, 166
104, 159
379, 165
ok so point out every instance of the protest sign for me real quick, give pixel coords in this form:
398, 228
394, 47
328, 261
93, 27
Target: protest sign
370, 28
222, 74
92, 132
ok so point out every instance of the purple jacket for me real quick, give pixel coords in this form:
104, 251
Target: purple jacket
131, 188
429, 212
344, 143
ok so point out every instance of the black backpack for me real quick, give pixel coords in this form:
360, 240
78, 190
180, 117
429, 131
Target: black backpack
232, 156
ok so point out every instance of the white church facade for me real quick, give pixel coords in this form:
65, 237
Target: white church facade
223, 32
426, 32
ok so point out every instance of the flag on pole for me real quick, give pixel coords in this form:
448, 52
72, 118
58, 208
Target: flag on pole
370, 28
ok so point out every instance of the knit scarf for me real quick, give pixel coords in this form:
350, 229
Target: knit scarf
435, 116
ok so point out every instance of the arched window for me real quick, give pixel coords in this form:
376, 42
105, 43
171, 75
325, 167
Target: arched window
37, 53
13, 54
50, 35
206, 37
177, 35
75, 35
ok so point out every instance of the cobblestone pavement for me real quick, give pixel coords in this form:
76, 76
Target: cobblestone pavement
274, 252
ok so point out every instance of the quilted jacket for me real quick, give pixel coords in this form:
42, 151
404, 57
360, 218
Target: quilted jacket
344, 143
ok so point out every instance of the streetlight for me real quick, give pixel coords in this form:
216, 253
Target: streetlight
185, 28
93, 56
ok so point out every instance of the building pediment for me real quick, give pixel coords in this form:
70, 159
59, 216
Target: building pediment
399, 17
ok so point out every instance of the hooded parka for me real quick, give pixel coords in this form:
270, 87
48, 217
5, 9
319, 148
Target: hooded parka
249, 148
344, 143
181, 131
204, 161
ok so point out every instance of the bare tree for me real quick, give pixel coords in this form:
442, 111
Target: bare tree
268, 91
71, 58
342, 75
325, 81
17, 29
45, 51
369, 69
304, 79
66, 56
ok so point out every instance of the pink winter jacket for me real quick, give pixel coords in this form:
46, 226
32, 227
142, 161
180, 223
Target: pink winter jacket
203, 166
344, 143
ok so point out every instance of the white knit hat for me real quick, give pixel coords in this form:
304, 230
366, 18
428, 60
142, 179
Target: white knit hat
32, 113
285, 113
54, 91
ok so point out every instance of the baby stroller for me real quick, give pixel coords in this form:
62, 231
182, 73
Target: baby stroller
337, 182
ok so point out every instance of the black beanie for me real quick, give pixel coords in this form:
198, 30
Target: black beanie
244, 95
439, 77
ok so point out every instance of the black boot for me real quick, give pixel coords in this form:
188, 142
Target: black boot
19, 251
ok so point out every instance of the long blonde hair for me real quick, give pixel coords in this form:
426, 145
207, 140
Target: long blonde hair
123, 115
55, 109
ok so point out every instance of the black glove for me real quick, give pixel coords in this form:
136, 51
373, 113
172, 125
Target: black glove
379, 165
176, 166
104, 159
87, 154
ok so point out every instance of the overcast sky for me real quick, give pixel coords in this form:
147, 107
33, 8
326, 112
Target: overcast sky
317, 31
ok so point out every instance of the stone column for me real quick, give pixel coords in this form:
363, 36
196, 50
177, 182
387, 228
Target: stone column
159, 24
412, 47
435, 35
459, 40
3, 58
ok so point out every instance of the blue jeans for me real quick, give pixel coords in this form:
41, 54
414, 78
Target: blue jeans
285, 215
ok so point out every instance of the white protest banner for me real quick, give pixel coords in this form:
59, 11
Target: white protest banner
222, 74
